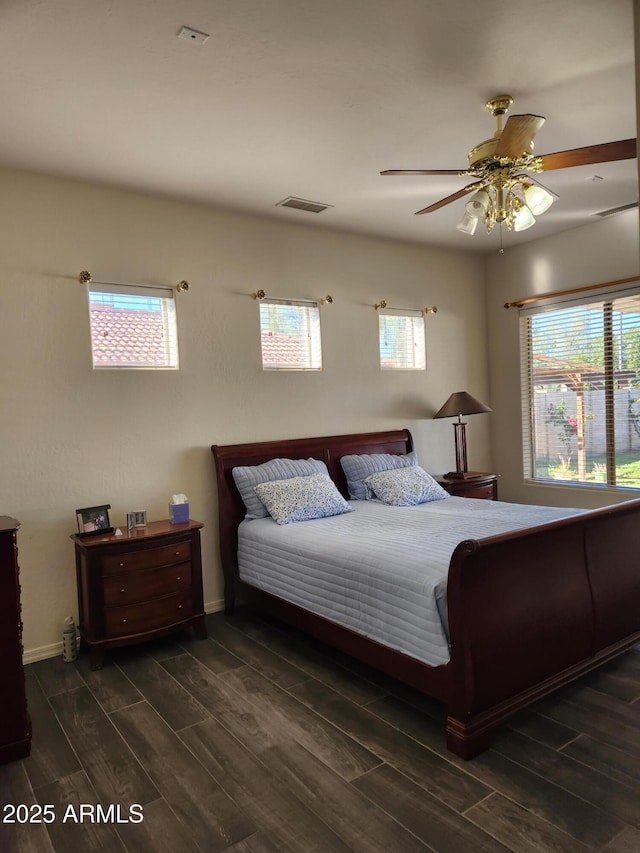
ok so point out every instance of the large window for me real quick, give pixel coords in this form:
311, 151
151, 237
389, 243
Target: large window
290, 335
402, 339
133, 326
581, 390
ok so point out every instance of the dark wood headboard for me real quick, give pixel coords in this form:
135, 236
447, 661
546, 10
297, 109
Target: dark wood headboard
329, 449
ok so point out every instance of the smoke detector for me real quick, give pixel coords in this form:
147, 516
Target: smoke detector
193, 35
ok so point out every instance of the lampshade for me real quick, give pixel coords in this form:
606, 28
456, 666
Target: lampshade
523, 219
538, 199
478, 204
468, 224
460, 404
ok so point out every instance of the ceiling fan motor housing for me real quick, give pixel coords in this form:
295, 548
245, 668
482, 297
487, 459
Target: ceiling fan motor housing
484, 152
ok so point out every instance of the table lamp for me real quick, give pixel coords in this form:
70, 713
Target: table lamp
457, 405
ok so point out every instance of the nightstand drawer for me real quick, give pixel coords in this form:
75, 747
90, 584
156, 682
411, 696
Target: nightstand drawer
130, 587
146, 559
145, 616
483, 492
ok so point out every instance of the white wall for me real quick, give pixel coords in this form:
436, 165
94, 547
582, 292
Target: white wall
72, 437
603, 251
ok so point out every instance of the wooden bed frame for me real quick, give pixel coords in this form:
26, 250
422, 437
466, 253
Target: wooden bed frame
528, 611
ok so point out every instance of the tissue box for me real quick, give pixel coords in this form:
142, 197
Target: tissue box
178, 513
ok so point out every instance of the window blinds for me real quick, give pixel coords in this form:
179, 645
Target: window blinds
132, 326
402, 339
580, 369
290, 335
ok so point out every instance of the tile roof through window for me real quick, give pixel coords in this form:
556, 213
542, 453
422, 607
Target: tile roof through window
286, 351
125, 337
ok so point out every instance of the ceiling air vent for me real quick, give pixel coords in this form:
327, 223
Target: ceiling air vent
620, 209
303, 204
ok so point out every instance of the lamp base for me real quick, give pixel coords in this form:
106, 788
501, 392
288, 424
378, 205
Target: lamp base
463, 475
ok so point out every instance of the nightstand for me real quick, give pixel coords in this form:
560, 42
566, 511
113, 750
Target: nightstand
139, 586
483, 486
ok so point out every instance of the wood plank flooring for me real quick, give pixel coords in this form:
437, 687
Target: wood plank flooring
260, 740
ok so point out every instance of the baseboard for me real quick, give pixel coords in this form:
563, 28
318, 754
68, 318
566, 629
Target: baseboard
55, 649
41, 653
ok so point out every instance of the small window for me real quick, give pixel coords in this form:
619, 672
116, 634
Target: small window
402, 339
133, 326
290, 335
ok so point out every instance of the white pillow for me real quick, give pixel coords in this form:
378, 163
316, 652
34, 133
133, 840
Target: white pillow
404, 487
302, 498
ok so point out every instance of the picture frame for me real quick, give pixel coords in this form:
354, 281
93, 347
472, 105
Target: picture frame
93, 520
136, 519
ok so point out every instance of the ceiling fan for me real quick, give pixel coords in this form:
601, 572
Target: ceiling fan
504, 190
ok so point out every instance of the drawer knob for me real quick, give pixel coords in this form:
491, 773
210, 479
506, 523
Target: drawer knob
177, 553
121, 564
122, 590
178, 578
123, 621
179, 607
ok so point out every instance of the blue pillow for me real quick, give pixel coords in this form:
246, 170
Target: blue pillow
302, 498
358, 467
404, 487
247, 478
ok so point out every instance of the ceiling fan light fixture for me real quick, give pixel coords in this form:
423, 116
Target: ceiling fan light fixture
478, 204
537, 198
468, 223
523, 217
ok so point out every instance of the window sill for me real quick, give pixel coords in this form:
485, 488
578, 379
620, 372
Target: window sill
575, 484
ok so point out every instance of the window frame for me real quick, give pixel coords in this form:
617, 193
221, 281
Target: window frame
311, 341
605, 302
419, 358
167, 309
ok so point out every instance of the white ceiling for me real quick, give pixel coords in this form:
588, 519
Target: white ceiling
313, 98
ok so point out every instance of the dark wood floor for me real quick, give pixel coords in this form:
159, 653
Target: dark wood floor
258, 740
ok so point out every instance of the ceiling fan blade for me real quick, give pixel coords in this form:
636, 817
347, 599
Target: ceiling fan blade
606, 152
454, 197
423, 172
515, 139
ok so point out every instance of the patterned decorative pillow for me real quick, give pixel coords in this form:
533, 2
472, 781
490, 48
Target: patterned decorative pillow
404, 487
247, 478
302, 498
358, 467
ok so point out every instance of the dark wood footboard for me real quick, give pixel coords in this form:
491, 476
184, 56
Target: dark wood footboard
531, 610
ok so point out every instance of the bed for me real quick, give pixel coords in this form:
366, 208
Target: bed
526, 611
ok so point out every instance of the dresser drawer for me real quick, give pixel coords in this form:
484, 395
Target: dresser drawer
130, 587
146, 559
145, 616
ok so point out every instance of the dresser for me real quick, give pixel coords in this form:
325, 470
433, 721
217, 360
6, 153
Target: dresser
15, 726
483, 486
139, 586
